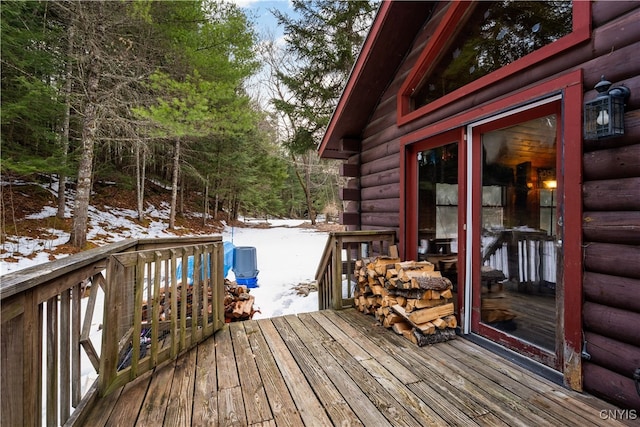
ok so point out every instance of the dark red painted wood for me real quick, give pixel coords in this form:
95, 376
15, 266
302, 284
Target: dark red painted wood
611, 386
619, 162
620, 325
614, 355
621, 227
613, 291
612, 194
609, 258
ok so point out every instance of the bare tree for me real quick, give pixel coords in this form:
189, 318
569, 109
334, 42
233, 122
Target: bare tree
113, 52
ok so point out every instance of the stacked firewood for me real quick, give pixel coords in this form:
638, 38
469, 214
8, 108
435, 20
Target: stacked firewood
238, 303
410, 297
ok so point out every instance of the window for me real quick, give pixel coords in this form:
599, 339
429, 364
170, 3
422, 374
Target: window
479, 43
500, 33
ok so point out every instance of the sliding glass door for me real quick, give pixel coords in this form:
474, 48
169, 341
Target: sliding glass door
515, 259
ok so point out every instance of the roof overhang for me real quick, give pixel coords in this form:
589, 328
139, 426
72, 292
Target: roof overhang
394, 28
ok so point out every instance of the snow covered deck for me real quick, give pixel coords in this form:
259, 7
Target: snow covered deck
340, 368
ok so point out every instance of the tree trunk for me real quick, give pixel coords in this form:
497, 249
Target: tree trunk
307, 175
78, 236
205, 207
140, 177
174, 184
215, 206
305, 183
62, 201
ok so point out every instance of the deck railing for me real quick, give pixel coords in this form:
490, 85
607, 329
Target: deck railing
335, 273
132, 289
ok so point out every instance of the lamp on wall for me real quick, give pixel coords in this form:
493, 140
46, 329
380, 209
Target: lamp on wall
604, 115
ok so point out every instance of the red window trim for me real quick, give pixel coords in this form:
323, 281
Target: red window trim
447, 28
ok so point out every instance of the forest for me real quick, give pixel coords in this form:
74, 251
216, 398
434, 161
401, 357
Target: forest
140, 93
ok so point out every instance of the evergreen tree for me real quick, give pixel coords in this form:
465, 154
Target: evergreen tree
31, 106
324, 41
203, 101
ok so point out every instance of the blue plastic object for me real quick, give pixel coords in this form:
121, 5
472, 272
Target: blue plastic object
245, 265
251, 282
228, 257
228, 264
189, 271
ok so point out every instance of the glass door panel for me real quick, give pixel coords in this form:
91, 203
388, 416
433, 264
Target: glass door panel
438, 208
517, 238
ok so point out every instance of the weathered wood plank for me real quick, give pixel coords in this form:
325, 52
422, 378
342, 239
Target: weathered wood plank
545, 396
333, 402
127, 408
256, 403
351, 392
225, 361
32, 366
231, 407
382, 399
442, 406
310, 409
51, 358
154, 406
12, 361
336, 326
469, 397
102, 409
180, 404
283, 407
205, 397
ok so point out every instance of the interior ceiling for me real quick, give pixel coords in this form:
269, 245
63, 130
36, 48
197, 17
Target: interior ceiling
533, 141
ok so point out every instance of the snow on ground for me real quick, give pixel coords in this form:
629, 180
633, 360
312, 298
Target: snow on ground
287, 255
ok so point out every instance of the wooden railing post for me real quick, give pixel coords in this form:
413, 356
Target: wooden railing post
336, 286
330, 274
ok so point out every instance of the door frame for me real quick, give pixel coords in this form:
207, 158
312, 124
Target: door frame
569, 86
411, 188
472, 302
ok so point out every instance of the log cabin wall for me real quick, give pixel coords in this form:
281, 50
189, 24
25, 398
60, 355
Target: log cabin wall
611, 229
611, 190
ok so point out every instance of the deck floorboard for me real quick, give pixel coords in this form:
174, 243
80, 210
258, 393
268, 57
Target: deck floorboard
341, 368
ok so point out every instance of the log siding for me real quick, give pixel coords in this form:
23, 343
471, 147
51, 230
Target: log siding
610, 183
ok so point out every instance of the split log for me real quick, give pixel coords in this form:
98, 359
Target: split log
400, 327
425, 328
440, 335
430, 314
404, 296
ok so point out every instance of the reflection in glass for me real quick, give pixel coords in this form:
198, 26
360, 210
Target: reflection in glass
496, 34
519, 257
438, 208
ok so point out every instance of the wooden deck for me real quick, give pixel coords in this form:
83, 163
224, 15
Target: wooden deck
340, 368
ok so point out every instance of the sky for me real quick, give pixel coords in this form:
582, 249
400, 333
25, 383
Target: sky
259, 11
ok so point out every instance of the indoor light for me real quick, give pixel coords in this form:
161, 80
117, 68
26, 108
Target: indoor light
604, 115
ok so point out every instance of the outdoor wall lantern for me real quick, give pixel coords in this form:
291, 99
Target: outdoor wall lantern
604, 115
